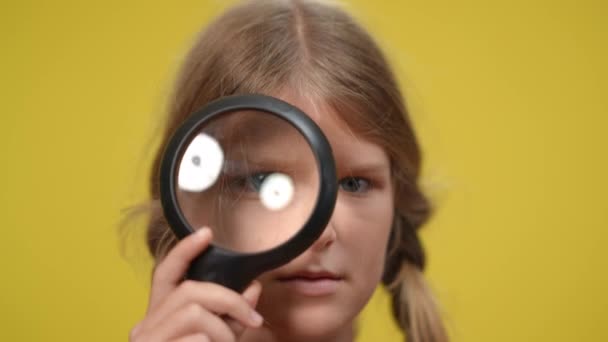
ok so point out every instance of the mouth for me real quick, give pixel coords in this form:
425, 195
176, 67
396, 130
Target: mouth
312, 283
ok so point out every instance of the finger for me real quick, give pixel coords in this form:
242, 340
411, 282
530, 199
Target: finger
251, 295
193, 338
190, 320
171, 270
212, 297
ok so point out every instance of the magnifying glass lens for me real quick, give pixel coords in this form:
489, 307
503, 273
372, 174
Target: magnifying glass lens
251, 177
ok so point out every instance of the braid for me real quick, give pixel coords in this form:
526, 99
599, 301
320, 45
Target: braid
413, 304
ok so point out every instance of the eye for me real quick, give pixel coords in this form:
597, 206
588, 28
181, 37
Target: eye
273, 189
249, 183
255, 181
354, 184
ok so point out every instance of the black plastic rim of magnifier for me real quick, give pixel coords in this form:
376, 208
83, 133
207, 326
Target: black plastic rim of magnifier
227, 267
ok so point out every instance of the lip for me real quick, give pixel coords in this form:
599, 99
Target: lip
312, 283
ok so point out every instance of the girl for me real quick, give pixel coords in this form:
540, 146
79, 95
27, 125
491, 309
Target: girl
316, 57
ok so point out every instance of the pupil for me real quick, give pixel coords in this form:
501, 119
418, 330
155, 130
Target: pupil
257, 180
196, 160
352, 184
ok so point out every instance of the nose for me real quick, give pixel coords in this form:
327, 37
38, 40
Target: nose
326, 239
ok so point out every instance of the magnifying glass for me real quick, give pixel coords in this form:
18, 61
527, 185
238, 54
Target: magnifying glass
257, 171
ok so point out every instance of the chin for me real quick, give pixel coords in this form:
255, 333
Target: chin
311, 319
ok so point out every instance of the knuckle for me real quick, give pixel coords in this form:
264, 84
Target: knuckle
188, 286
194, 310
159, 274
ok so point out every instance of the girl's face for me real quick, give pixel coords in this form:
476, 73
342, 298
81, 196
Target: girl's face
318, 294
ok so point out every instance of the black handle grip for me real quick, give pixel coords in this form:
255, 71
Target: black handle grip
222, 267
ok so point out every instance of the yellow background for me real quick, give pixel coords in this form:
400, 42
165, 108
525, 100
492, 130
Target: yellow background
509, 99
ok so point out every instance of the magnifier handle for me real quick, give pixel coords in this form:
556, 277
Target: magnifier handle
222, 267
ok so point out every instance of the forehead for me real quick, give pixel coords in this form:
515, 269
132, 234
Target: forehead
348, 146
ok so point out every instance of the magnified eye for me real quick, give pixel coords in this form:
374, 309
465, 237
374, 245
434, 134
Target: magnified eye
273, 189
252, 182
354, 184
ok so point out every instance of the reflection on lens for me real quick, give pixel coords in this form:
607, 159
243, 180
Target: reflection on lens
201, 164
276, 191
249, 176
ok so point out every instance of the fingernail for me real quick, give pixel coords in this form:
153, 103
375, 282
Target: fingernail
256, 318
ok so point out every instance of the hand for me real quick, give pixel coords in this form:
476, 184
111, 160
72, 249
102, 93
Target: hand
192, 310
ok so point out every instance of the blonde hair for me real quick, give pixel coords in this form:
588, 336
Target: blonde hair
316, 48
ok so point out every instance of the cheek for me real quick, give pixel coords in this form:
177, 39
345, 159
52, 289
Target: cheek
365, 227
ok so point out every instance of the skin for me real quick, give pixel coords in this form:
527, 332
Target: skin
352, 248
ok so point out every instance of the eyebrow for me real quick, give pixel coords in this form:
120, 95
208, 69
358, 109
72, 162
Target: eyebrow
364, 167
